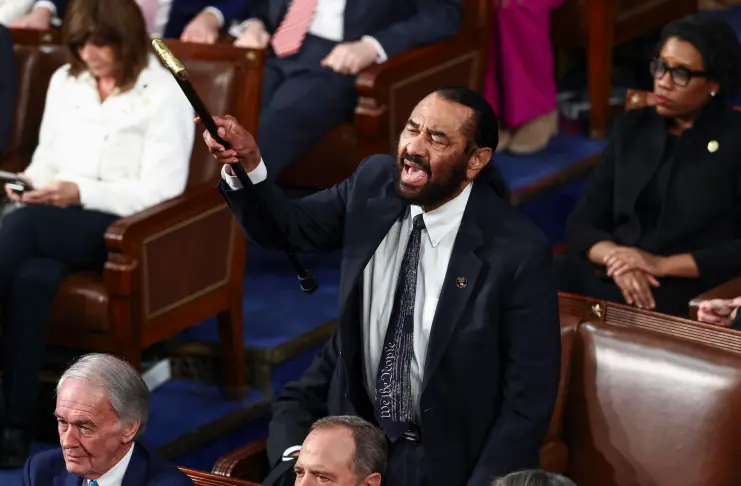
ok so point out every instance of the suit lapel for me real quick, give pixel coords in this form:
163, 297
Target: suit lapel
72, 480
646, 154
136, 472
460, 281
365, 230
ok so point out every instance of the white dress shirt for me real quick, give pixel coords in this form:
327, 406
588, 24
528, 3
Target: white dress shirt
382, 272
11, 10
161, 18
328, 23
115, 475
126, 154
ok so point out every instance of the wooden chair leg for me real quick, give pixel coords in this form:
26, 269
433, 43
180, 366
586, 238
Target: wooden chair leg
601, 40
231, 343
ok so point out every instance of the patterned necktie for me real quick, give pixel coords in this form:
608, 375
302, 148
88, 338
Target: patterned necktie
393, 404
149, 10
92, 482
292, 30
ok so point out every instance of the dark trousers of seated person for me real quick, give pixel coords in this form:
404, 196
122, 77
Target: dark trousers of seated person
39, 246
579, 276
301, 101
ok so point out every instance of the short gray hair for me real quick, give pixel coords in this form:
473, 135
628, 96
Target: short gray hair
533, 478
125, 389
370, 443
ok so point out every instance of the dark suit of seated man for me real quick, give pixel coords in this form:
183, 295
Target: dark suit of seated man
315, 50
102, 404
448, 334
8, 86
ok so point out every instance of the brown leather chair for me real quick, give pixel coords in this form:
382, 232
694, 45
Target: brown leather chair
600, 25
172, 265
387, 93
201, 478
653, 400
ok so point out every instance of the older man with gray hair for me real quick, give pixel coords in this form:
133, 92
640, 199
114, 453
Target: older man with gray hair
102, 406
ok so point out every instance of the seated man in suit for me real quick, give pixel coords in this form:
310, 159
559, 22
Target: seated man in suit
102, 405
190, 20
8, 86
315, 50
448, 329
341, 450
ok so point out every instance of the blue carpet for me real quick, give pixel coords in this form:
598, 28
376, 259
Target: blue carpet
563, 151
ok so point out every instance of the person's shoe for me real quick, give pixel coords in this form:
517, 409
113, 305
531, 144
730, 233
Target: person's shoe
14, 449
534, 135
505, 137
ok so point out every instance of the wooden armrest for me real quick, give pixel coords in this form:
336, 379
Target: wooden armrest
202, 478
249, 462
141, 240
728, 290
375, 81
127, 234
15, 161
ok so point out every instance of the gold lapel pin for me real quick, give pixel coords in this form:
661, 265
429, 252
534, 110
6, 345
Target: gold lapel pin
461, 282
713, 146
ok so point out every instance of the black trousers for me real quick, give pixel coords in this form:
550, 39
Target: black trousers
405, 464
301, 101
39, 246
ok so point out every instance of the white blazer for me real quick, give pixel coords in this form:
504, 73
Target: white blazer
126, 154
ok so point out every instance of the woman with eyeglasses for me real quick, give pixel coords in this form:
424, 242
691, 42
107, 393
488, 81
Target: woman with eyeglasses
659, 221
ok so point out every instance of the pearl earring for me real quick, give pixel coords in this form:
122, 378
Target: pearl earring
712, 93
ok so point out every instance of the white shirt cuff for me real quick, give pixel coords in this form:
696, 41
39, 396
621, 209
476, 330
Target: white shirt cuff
237, 29
382, 57
287, 453
55, 20
216, 13
258, 175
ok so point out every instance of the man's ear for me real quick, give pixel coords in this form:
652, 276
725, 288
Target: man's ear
478, 161
372, 480
129, 430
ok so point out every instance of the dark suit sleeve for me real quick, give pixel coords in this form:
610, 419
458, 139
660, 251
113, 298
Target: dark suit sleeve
722, 262
435, 20
591, 221
8, 86
312, 224
234, 9
302, 402
532, 349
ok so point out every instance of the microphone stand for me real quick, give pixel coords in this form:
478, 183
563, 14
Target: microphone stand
307, 281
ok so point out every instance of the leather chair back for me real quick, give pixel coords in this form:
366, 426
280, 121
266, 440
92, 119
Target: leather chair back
652, 408
36, 64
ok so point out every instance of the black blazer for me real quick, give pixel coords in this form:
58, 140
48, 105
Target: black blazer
701, 210
398, 25
493, 362
8, 86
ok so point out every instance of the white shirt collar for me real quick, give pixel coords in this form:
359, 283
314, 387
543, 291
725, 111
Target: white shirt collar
439, 222
115, 475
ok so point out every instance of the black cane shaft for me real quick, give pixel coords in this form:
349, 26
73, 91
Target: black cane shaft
307, 281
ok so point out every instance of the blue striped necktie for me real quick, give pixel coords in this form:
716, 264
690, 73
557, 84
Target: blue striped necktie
92, 482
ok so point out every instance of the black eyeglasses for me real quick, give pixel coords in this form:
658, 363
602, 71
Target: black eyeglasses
680, 76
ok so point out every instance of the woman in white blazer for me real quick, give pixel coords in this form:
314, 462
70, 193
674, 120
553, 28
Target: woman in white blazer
115, 139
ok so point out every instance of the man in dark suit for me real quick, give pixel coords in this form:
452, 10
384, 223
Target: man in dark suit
102, 405
316, 49
8, 86
190, 20
459, 362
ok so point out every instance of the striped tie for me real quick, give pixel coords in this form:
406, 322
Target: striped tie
92, 482
292, 30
